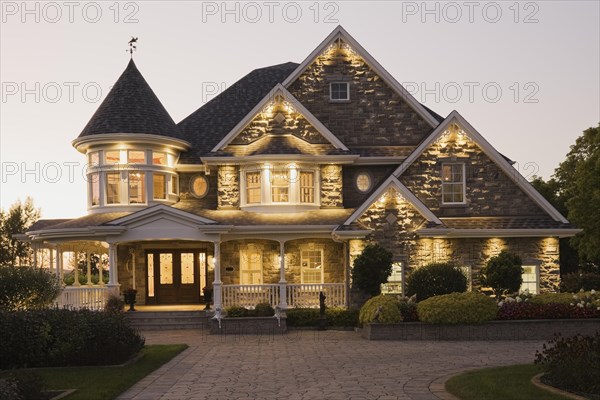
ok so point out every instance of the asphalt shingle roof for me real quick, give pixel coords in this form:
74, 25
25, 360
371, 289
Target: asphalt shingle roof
131, 107
205, 127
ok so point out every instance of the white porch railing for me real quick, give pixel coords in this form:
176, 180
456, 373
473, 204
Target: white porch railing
307, 295
250, 295
78, 297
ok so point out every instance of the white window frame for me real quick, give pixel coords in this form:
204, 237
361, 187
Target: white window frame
121, 189
144, 187
388, 286
165, 184
260, 186
464, 182
347, 84
306, 258
288, 186
244, 263
536, 283
313, 186
94, 178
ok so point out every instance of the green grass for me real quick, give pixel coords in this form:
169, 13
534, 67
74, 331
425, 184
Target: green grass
513, 382
104, 383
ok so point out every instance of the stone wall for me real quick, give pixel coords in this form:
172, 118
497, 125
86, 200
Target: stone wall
331, 186
489, 191
354, 198
208, 202
375, 115
228, 187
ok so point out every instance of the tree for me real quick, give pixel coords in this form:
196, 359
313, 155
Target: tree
435, 279
371, 269
503, 273
17, 220
579, 177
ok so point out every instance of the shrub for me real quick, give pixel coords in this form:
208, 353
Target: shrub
503, 273
27, 288
580, 281
371, 269
552, 298
342, 317
236, 312
435, 279
264, 310
572, 363
65, 338
528, 310
300, 317
114, 304
22, 385
457, 308
408, 309
383, 309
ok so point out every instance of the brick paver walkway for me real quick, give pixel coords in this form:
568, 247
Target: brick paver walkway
316, 365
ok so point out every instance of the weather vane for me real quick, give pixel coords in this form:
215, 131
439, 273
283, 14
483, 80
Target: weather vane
132, 46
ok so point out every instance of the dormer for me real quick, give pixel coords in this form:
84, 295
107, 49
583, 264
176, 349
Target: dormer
132, 146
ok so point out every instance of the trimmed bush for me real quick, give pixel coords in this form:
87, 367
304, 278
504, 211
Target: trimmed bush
503, 273
236, 312
342, 317
552, 298
528, 310
457, 308
301, 317
264, 310
336, 316
572, 363
382, 309
435, 279
580, 281
27, 288
371, 269
54, 338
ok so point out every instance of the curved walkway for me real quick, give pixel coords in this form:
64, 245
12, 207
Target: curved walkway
316, 365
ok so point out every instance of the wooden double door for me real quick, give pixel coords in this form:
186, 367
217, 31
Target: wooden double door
175, 276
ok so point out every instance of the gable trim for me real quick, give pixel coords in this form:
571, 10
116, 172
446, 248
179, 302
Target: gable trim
150, 212
491, 152
280, 89
390, 182
340, 32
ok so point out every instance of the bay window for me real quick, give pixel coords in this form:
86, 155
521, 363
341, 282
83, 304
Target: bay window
112, 157
253, 187
159, 158
113, 188
280, 182
307, 187
137, 191
136, 157
159, 182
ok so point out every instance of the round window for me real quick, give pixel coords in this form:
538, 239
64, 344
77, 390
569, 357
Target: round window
363, 182
199, 186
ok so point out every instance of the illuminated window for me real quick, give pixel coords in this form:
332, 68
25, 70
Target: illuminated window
394, 281
200, 186
150, 275
253, 187
160, 186
363, 182
453, 183
113, 188
311, 262
112, 157
159, 158
187, 268
307, 187
136, 157
166, 269
94, 159
251, 265
530, 279
95, 188
339, 91
137, 190
280, 186
174, 184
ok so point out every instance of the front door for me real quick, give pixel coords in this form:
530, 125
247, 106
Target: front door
173, 276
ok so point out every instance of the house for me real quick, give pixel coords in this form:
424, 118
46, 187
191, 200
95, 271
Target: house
270, 190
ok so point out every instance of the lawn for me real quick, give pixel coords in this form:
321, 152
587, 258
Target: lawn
513, 382
104, 383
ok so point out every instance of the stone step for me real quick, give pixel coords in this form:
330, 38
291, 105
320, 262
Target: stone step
161, 326
161, 320
152, 314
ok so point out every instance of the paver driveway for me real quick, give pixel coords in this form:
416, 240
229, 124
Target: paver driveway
315, 365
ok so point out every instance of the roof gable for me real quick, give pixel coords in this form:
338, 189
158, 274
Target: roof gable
455, 118
163, 214
131, 107
340, 33
279, 105
393, 183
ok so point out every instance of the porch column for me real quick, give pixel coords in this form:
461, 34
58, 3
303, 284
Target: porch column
59, 264
89, 267
282, 281
113, 278
217, 297
76, 257
35, 249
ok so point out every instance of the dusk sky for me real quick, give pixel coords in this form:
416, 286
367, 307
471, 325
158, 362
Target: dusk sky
526, 75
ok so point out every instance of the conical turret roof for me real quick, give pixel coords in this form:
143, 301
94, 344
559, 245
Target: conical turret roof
131, 107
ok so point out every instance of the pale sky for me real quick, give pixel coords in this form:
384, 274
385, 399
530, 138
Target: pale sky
526, 75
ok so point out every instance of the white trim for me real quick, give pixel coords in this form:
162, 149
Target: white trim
392, 181
280, 90
160, 209
325, 159
491, 152
464, 183
488, 233
331, 99
85, 142
340, 32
